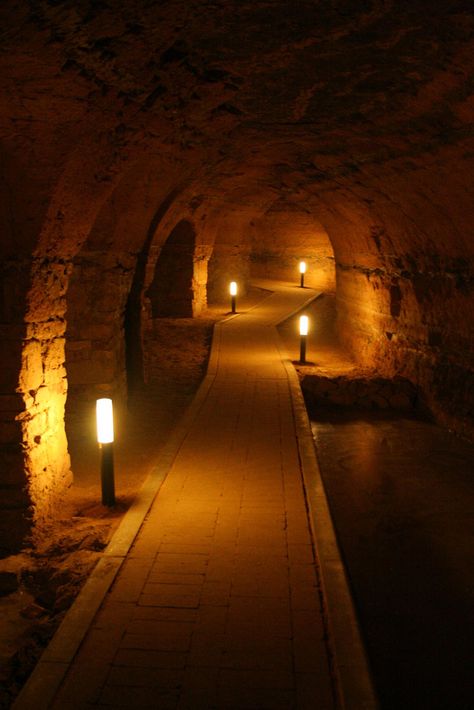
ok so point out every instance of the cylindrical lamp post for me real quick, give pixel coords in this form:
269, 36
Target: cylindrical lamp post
233, 294
304, 323
302, 272
105, 437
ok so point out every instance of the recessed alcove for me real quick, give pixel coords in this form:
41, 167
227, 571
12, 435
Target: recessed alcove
171, 290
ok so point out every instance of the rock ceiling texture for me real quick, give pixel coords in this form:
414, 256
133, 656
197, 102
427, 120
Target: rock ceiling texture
254, 101
118, 120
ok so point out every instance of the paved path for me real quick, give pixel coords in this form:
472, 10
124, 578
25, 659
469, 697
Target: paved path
217, 604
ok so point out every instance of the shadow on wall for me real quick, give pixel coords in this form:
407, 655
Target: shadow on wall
171, 291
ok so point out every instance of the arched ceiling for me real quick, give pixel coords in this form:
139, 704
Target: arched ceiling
247, 97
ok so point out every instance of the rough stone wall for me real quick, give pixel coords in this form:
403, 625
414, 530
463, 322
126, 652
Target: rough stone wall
405, 309
44, 386
230, 259
35, 461
402, 321
38, 471
95, 343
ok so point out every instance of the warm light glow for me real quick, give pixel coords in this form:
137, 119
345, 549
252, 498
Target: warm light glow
302, 267
304, 323
105, 421
233, 288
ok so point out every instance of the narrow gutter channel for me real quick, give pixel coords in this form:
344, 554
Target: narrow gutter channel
401, 496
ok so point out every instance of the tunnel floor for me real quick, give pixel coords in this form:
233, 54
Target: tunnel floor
402, 498
217, 603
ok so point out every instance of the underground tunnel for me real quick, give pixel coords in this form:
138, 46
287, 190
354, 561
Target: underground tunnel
154, 152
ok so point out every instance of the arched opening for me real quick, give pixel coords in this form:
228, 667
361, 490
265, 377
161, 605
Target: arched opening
133, 307
285, 235
171, 290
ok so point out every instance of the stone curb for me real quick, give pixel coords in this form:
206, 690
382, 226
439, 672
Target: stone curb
353, 679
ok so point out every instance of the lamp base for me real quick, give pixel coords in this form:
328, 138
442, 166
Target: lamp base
107, 474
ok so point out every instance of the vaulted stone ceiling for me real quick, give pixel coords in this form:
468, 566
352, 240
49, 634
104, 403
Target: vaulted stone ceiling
288, 97
350, 118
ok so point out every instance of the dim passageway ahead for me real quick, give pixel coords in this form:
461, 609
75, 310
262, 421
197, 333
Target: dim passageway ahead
210, 594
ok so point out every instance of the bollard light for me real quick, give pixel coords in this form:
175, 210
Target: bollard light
105, 421
304, 326
302, 272
233, 294
105, 437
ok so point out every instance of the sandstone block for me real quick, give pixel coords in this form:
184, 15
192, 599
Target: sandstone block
31, 375
78, 349
100, 331
54, 376
54, 353
90, 372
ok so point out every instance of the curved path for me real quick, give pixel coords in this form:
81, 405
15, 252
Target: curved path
209, 595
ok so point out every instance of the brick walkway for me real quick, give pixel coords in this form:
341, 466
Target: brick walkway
217, 602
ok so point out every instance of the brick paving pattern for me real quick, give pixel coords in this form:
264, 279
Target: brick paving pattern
217, 604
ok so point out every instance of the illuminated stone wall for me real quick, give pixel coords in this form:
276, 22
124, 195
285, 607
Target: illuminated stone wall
282, 238
231, 253
35, 467
405, 279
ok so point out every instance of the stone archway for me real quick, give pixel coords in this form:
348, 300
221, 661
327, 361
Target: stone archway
171, 290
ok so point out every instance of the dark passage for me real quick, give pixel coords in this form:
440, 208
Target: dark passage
400, 492
171, 291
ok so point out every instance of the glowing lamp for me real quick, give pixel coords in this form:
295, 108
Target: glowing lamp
105, 437
233, 294
302, 272
304, 327
105, 421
